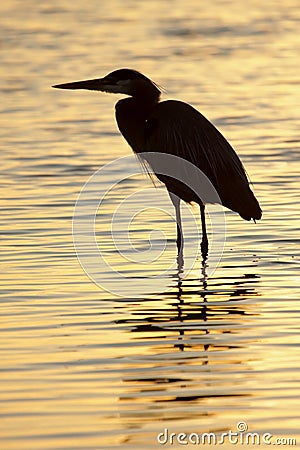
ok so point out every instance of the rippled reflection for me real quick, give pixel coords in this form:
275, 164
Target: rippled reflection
197, 357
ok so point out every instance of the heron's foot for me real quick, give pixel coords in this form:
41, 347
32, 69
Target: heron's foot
180, 264
179, 243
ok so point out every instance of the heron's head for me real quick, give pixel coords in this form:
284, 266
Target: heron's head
121, 81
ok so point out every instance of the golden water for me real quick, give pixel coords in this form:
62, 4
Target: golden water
84, 369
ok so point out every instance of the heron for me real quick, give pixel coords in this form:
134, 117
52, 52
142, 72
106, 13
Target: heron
175, 127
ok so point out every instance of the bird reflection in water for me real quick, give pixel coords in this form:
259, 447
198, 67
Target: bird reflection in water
192, 350
192, 308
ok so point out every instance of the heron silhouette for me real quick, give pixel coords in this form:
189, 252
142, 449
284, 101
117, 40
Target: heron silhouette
176, 128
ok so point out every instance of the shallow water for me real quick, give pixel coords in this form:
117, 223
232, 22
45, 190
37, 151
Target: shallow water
80, 367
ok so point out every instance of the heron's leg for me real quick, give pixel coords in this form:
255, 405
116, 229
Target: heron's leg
176, 202
204, 243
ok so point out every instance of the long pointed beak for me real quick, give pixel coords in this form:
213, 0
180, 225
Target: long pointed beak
98, 84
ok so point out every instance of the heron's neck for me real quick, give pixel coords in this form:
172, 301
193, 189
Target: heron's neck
131, 115
145, 102
145, 93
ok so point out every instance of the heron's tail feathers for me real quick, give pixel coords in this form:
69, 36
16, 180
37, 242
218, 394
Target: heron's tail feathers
241, 200
250, 209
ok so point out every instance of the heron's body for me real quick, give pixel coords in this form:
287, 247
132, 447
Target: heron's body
176, 128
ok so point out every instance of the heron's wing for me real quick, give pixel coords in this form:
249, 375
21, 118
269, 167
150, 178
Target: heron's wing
177, 128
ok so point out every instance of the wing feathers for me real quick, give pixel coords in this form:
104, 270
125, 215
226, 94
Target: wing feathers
177, 128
